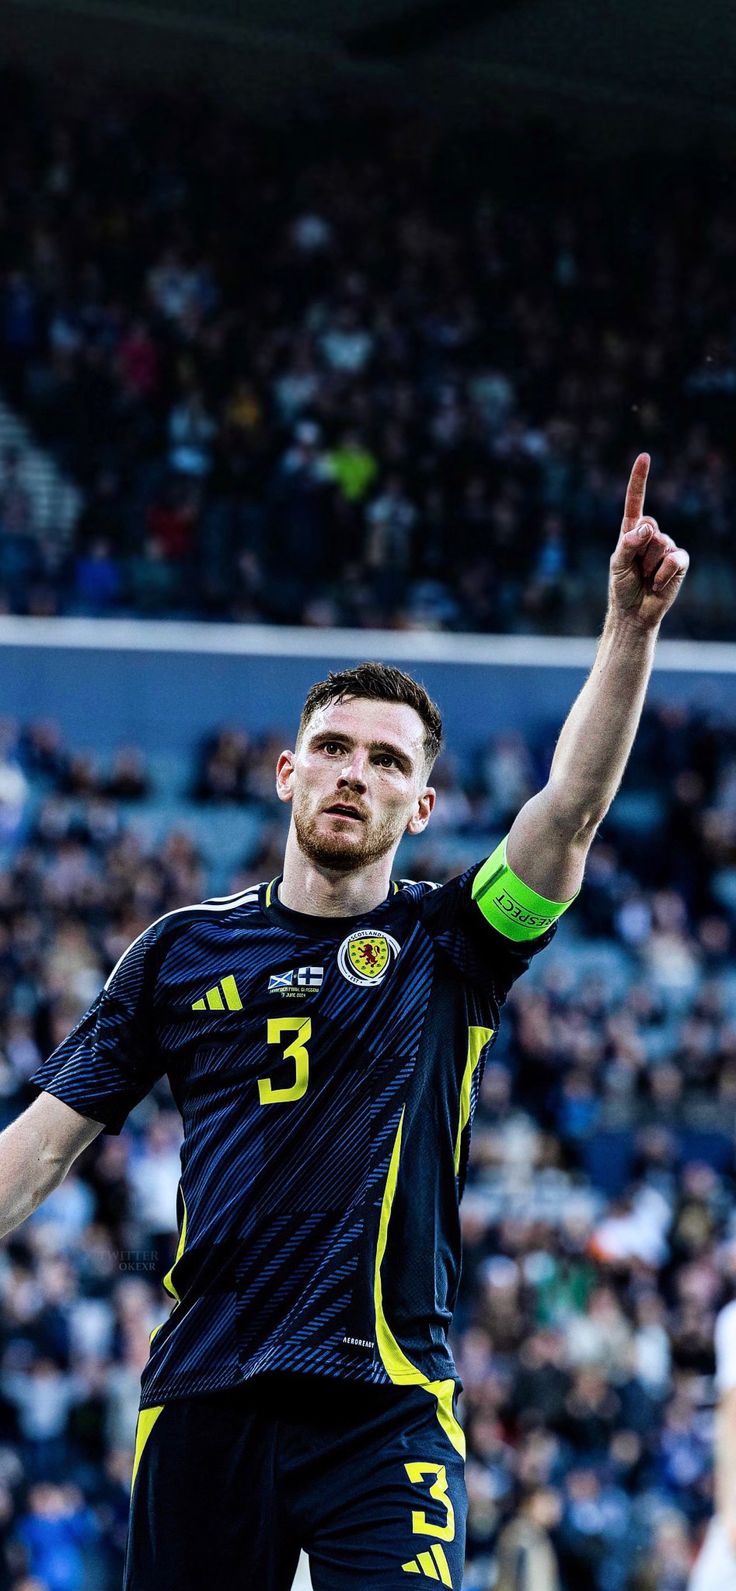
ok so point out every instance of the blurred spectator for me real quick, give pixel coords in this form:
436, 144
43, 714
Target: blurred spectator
191, 434
128, 779
526, 1556
224, 767
97, 578
353, 466
53, 1531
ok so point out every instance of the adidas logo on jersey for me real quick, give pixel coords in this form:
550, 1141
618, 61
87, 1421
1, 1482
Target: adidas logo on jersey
297, 983
223, 997
432, 1564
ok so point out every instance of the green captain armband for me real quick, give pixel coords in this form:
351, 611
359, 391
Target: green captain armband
509, 905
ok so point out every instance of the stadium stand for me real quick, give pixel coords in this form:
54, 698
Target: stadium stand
354, 381
598, 1227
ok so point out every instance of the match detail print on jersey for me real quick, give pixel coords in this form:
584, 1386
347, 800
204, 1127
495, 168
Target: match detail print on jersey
508, 904
296, 984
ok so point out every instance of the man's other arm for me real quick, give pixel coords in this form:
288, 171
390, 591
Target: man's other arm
36, 1152
725, 1463
549, 840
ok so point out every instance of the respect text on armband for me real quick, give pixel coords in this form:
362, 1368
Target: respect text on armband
511, 908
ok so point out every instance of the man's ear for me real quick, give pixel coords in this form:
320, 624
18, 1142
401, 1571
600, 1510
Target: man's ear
285, 776
420, 818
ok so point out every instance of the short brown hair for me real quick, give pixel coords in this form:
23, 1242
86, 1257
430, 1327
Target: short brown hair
377, 682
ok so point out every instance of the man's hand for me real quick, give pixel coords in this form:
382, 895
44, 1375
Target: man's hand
729, 1525
647, 569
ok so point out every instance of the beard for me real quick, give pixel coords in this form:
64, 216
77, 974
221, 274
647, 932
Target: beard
334, 853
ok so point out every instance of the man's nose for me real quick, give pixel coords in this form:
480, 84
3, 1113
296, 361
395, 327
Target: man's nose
353, 773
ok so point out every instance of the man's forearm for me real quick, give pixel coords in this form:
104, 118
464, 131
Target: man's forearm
600, 728
29, 1171
550, 837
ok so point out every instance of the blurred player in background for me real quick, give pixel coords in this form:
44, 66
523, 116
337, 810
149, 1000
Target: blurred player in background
324, 1037
715, 1569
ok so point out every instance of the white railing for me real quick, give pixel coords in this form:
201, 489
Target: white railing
400, 646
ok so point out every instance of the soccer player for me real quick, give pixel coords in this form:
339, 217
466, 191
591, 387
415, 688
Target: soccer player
715, 1567
324, 1036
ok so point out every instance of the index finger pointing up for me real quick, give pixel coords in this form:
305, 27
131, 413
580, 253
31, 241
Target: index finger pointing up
634, 505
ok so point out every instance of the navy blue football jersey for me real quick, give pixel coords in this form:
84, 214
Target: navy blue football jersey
326, 1071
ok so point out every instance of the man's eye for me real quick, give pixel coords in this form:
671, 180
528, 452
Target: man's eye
331, 745
386, 760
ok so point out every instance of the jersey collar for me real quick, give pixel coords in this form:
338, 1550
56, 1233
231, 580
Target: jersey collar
305, 923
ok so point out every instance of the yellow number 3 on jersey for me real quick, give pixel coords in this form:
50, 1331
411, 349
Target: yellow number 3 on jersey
296, 1051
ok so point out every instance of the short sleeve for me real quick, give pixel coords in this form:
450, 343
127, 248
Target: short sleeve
725, 1335
110, 1060
485, 957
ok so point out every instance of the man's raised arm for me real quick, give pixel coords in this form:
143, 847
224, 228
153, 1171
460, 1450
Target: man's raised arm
550, 838
36, 1152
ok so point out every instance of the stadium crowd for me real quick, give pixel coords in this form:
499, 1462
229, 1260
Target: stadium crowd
382, 377
598, 1234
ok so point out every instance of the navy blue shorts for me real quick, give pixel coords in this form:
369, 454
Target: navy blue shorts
368, 1481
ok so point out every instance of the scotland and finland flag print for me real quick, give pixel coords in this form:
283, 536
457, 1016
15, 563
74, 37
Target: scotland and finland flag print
302, 978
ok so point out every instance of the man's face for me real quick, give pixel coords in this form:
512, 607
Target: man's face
357, 782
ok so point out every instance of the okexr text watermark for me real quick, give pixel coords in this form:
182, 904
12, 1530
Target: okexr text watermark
137, 1259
